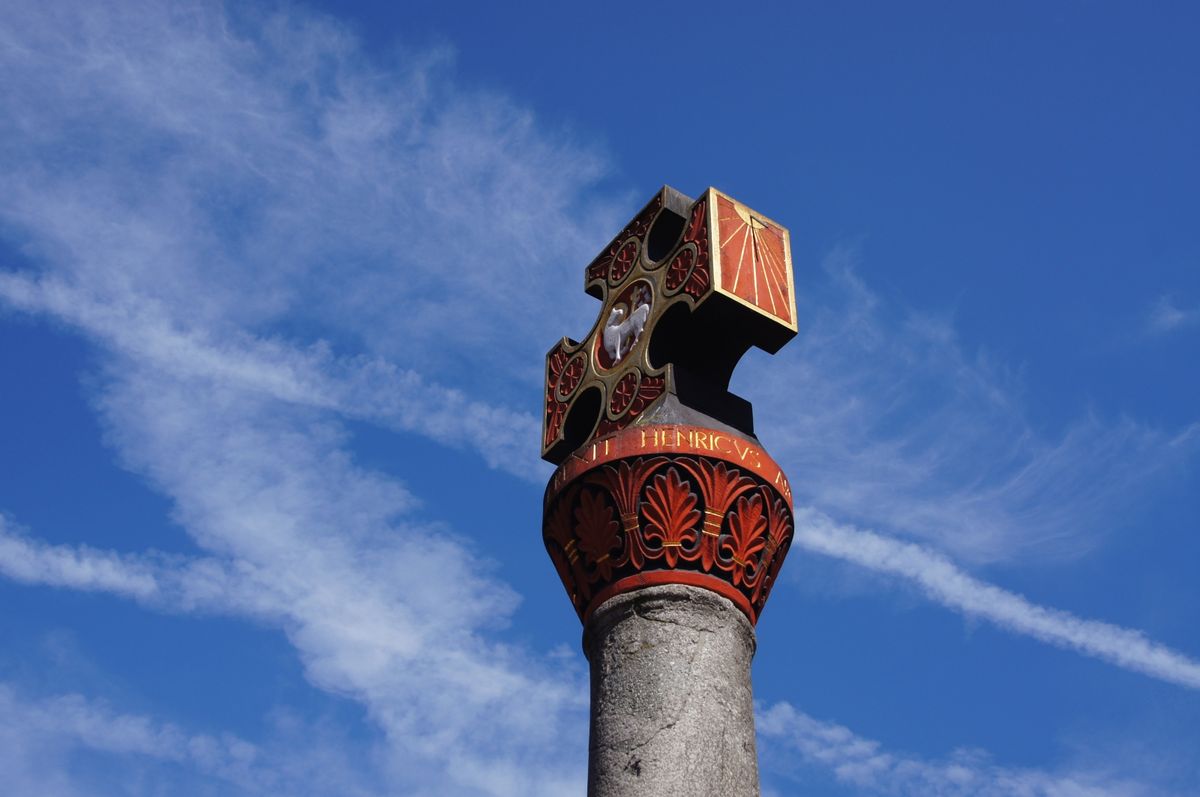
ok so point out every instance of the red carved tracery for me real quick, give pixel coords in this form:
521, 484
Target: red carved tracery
680, 269
623, 261
698, 278
604, 266
649, 388
571, 375
623, 393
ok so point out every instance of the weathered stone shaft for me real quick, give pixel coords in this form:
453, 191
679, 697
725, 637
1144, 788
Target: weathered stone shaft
672, 706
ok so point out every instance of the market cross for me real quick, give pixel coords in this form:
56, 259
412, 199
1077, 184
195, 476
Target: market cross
666, 520
686, 288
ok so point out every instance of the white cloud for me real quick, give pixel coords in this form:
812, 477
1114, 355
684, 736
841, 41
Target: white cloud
264, 235
944, 583
252, 173
58, 745
213, 586
83, 568
864, 765
98, 727
360, 386
395, 614
880, 417
1166, 316
338, 654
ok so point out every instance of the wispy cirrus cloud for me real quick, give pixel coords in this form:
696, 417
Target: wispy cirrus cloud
382, 608
1166, 316
29, 561
881, 417
360, 386
866, 767
945, 583
212, 586
57, 746
395, 613
44, 737
258, 173
264, 236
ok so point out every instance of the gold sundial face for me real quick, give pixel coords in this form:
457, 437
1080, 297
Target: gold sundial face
754, 260
730, 268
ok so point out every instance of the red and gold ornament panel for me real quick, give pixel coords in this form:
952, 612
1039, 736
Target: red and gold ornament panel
722, 248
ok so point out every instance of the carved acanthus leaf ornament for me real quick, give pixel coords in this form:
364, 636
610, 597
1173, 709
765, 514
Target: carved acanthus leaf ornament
662, 505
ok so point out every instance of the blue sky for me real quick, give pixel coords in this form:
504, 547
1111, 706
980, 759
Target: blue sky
275, 287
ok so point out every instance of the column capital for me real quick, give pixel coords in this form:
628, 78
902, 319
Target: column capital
668, 504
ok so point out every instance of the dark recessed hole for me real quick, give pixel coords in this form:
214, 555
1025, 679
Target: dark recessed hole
663, 235
707, 341
581, 420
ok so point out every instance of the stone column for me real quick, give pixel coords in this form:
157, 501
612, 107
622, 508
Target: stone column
668, 539
672, 709
665, 519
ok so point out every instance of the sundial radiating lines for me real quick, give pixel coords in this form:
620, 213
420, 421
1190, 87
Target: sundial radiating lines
730, 238
738, 230
773, 269
776, 271
772, 290
740, 224
741, 259
758, 249
772, 275
752, 250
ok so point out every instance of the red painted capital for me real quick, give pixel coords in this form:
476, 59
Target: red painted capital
668, 504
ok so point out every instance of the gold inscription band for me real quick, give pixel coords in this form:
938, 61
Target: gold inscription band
636, 441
